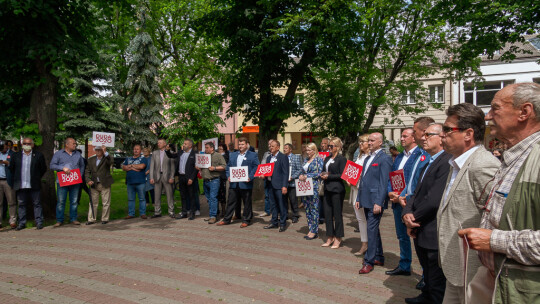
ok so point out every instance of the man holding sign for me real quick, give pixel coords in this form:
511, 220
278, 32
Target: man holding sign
241, 191
210, 175
277, 187
64, 161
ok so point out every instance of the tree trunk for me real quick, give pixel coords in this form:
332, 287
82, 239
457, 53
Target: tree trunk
43, 111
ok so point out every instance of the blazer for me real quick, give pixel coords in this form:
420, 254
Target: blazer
102, 171
295, 165
423, 161
167, 168
251, 160
191, 172
38, 167
280, 176
407, 169
334, 182
425, 201
373, 188
462, 207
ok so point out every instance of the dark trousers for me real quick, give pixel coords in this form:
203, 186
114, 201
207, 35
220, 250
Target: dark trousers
187, 194
277, 206
321, 208
87, 190
333, 213
150, 197
27, 196
375, 250
236, 197
291, 200
433, 274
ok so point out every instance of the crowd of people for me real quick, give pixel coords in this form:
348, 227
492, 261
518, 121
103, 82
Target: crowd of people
454, 190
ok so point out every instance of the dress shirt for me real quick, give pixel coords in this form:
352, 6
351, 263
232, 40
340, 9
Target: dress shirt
405, 158
521, 246
98, 159
431, 160
240, 158
63, 159
456, 164
183, 161
273, 159
3, 156
25, 172
370, 160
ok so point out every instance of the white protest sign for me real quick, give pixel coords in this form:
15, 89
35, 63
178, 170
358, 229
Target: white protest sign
238, 174
202, 160
213, 140
102, 139
304, 188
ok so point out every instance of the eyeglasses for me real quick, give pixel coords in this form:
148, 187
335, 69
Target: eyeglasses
428, 135
447, 129
27, 144
331, 146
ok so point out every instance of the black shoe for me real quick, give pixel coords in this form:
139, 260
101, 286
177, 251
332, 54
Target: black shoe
191, 217
294, 220
171, 215
89, 223
418, 300
181, 216
39, 226
20, 228
398, 271
321, 222
311, 238
104, 222
421, 284
282, 228
271, 226
155, 216
356, 230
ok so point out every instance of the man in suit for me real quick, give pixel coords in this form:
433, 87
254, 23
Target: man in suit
471, 174
162, 176
98, 177
28, 167
420, 216
277, 187
404, 161
6, 186
241, 191
186, 178
372, 196
267, 209
295, 168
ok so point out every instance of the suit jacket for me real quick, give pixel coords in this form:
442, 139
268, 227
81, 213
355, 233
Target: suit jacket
38, 167
102, 171
462, 207
334, 182
191, 172
251, 160
425, 201
423, 161
280, 176
373, 188
295, 164
167, 168
407, 169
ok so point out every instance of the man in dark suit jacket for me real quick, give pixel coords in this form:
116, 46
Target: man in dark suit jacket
27, 168
98, 177
423, 207
373, 197
186, 178
277, 187
241, 191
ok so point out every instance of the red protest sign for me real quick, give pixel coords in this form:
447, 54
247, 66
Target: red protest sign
397, 180
265, 170
352, 172
73, 178
324, 155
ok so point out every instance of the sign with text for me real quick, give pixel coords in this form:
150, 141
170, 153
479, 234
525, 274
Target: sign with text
212, 140
265, 170
102, 139
397, 180
304, 188
352, 173
203, 160
324, 155
73, 178
238, 174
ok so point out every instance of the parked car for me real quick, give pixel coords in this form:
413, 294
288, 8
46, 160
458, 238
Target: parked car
119, 158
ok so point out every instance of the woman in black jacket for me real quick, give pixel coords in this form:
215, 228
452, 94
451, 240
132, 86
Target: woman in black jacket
334, 193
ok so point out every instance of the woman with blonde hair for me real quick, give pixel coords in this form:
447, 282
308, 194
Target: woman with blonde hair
334, 193
360, 216
312, 167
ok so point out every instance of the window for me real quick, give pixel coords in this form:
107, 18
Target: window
536, 80
483, 94
220, 110
436, 94
408, 97
299, 100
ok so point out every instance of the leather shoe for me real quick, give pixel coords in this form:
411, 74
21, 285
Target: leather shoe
421, 284
144, 216
244, 225
90, 223
222, 223
191, 217
378, 263
311, 238
13, 225
76, 223
282, 228
398, 271
181, 216
418, 300
20, 228
129, 217
365, 269
58, 224
155, 216
104, 222
271, 226
294, 220
39, 226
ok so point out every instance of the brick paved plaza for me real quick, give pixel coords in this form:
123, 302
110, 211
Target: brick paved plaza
179, 261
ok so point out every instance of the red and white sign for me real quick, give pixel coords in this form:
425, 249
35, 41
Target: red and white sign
73, 178
213, 140
324, 155
102, 139
352, 173
304, 188
238, 174
397, 180
203, 160
265, 170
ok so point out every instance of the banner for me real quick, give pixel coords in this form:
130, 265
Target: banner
238, 174
214, 140
73, 178
352, 173
324, 155
397, 180
203, 160
265, 169
102, 139
304, 188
